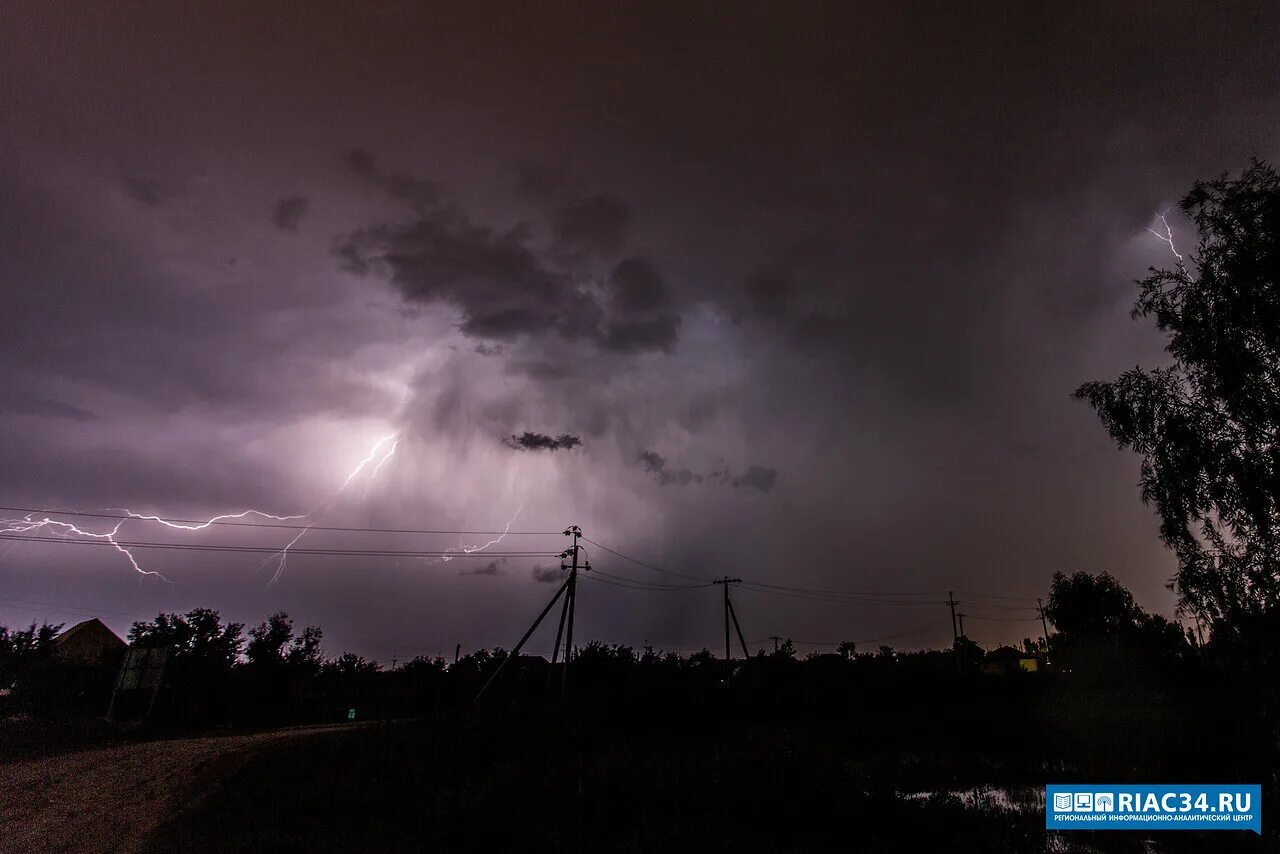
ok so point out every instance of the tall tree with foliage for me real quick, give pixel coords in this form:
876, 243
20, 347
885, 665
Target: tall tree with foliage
1208, 426
199, 635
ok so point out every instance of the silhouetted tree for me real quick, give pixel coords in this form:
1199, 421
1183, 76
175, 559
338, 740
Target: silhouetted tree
204, 652
967, 653
273, 643
20, 649
350, 664
198, 635
267, 641
1207, 425
1101, 628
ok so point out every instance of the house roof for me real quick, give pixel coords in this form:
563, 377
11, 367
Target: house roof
1006, 653
92, 631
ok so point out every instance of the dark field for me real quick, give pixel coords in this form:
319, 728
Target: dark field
808, 765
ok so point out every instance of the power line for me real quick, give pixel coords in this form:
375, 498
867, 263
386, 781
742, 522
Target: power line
61, 607
835, 599
1003, 619
649, 565
849, 595
292, 550
902, 634
229, 523
608, 583
651, 584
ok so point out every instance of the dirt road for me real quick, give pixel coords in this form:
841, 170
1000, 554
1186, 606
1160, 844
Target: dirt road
112, 799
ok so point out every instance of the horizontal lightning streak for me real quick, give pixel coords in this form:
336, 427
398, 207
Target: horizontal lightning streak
272, 550
280, 556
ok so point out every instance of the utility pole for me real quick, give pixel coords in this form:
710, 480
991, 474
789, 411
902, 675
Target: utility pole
570, 602
730, 614
566, 614
951, 601
1043, 623
775, 640
961, 616
457, 653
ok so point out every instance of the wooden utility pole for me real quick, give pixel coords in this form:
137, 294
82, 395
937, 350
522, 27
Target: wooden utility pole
519, 646
1043, 623
951, 602
569, 603
961, 616
566, 615
731, 615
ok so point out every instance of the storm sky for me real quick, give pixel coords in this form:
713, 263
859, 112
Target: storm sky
796, 292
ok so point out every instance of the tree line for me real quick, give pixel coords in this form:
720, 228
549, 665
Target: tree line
217, 672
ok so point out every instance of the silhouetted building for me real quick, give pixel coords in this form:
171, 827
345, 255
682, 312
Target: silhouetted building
1006, 659
87, 642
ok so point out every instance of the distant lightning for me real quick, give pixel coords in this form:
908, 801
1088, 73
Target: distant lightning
1167, 237
63, 529
473, 549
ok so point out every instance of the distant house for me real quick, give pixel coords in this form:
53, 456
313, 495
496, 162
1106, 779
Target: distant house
1006, 659
87, 642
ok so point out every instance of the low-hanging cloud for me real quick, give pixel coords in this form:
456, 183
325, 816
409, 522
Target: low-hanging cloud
529, 441
493, 567
546, 573
756, 477
287, 213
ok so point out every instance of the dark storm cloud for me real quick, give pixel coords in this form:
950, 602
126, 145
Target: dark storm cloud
504, 287
146, 191
547, 573
500, 285
656, 465
885, 244
769, 293
594, 224
22, 401
541, 370
539, 182
287, 213
417, 193
528, 441
756, 477
658, 332
637, 286
493, 567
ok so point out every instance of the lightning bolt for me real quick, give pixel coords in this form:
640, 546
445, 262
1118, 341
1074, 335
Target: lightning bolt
395, 440
60, 528
473, 549
1167, 237
63, 529
373, 452
282, 557
200, 526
